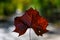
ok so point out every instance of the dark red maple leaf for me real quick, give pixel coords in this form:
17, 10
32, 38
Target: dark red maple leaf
31, 19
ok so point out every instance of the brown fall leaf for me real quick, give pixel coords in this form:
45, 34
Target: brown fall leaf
31, 19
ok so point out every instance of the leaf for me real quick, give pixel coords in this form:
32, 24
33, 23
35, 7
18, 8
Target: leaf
31, 19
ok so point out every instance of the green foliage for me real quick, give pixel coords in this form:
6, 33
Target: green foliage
45, 7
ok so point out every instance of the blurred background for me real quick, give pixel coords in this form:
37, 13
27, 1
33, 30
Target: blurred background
9, 9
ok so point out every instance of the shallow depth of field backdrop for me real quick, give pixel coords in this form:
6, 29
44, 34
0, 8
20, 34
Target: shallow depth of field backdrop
9, 9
